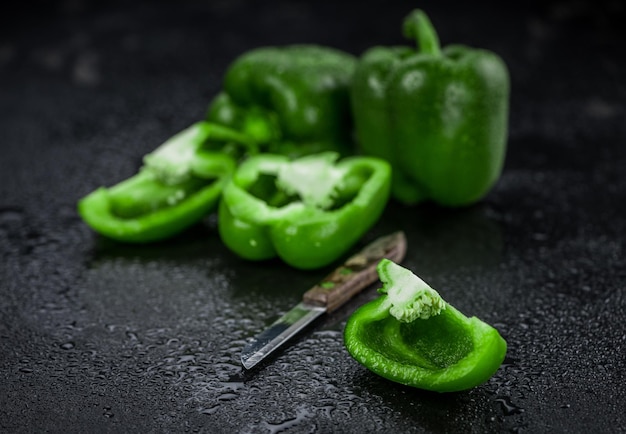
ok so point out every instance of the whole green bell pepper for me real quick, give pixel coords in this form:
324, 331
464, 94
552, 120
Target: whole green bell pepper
307, 211
292, 100
410, 335
180, 182
439, 116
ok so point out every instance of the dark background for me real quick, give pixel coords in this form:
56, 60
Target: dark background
100, 337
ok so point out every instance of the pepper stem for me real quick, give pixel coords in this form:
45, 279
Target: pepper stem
223, 133
417, 26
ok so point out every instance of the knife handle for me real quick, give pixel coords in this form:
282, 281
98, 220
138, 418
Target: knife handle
356, 273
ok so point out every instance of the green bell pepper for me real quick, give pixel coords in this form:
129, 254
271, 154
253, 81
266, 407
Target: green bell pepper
439, 116
180, 182
292, 100
410, 335
308, 211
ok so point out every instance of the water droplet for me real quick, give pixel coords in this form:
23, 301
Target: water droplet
188, 358
508, 407
86, 69
67, 346
302, 415
10, 215
210, 410
227, 397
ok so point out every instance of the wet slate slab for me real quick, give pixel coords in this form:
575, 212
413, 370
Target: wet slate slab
100, 337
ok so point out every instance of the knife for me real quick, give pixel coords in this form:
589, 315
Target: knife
337, 288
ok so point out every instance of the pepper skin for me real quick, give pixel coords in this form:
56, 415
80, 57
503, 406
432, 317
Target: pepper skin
292, 100
438, 116
410, 335
308, 211
180, 183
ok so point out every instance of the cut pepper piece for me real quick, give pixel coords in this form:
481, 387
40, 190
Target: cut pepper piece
307, 211
410, 335
180, 182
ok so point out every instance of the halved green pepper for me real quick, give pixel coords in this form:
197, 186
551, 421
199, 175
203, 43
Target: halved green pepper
180, 183
410, 335
307, 211
439, 116
292, 100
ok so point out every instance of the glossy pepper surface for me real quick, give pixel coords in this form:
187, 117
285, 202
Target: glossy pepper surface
410, 335
179, 183
307, 211
439, 116
292, 100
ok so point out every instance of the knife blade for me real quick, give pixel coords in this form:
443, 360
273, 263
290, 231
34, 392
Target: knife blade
356, 273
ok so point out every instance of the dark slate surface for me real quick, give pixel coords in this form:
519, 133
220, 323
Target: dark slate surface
101, 337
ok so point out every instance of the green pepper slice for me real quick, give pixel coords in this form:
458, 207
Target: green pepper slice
307, 211
410, 335
180, 182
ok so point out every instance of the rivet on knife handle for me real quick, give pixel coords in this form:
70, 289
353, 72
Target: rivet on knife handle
356, 273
